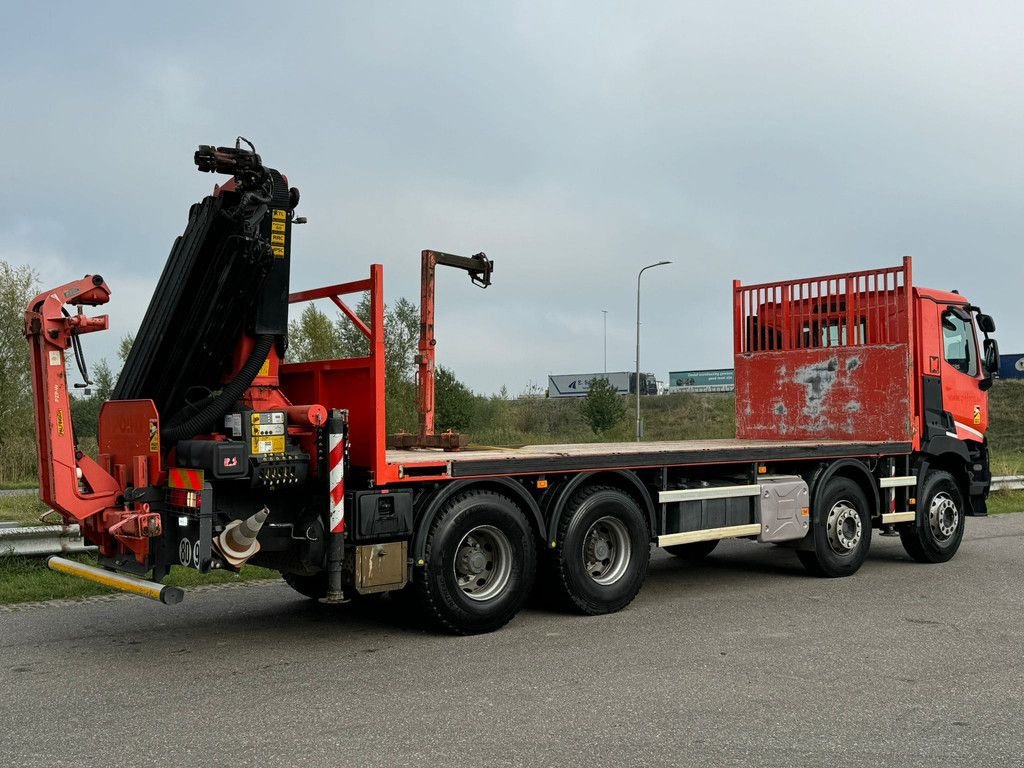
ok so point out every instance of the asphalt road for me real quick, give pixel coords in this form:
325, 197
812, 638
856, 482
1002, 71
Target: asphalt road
742, 661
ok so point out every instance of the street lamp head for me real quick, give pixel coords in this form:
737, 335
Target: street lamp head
656, 264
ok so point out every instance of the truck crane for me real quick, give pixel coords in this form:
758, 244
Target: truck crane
861, 404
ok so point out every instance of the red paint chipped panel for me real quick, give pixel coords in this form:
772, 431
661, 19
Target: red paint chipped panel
837, 393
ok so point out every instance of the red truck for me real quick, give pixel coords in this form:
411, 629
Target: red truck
860, 405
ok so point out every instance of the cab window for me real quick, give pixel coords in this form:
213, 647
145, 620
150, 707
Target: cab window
958, 342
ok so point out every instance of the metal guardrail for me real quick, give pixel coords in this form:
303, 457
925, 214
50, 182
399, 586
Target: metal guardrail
45, 540
1008, 483
41, 540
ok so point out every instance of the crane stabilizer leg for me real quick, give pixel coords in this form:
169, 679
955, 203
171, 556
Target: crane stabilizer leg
152, 590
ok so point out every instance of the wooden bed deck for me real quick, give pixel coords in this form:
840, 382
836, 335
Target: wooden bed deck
581, 456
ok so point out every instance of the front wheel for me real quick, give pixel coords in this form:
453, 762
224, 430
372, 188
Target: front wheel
935, 536
480, 562
841, 533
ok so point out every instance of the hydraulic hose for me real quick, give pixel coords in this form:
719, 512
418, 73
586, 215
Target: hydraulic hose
213, 408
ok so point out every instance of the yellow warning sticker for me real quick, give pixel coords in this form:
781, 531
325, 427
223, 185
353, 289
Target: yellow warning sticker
277, 226
278, 251
60, 421
154, 437
264, 370
277, 239
280, 213
269, 444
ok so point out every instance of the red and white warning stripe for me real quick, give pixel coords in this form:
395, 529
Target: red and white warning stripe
337, 481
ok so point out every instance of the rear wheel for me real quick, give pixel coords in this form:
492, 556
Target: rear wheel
935, 536
314, 587
841, 532
603, 547
481, 557
698, 550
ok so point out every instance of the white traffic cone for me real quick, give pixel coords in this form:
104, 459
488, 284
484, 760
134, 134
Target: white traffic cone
237, 542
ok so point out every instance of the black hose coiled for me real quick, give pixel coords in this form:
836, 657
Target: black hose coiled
213, 408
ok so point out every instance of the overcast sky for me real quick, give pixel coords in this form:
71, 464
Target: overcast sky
573, 142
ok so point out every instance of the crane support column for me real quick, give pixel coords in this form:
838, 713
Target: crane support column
479, 268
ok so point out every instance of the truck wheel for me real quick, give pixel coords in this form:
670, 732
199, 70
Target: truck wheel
698, 550
842, 534
481, 558
936, 534
314, 587
603, 548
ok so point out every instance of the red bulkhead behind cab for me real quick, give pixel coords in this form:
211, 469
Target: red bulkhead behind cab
827, 358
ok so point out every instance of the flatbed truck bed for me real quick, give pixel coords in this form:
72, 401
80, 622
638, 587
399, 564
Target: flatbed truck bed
572, 457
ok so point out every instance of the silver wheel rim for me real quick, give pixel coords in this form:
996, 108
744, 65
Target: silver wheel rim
943, 516
844, 527
606, 550
483, 563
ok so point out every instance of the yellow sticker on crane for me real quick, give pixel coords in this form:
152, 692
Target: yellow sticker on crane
277, 239
60, 421
268, 444
278, 251
280, 213
154, 437
277, 226
265, 368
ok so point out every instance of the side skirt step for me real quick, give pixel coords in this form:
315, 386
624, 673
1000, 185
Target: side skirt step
709, 534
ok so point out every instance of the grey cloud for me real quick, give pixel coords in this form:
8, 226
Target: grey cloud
574, 142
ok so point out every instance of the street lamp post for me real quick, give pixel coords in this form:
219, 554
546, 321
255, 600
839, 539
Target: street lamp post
637, 383
605, 313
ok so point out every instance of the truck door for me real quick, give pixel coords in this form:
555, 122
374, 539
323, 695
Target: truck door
962, 373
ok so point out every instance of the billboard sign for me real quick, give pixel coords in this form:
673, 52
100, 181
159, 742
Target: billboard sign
707, 380
578, 384
1011, 366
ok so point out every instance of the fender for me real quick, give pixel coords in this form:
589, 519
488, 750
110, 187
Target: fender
555, 503
436, 499
855, 468
940, 453
941, 444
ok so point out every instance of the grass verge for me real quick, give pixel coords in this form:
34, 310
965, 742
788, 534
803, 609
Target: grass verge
25, 510
25, 579
1005, 502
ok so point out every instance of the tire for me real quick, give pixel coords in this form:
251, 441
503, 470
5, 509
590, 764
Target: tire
481, 557
936, 534
698, 550
841, 532
314, 587
603, 547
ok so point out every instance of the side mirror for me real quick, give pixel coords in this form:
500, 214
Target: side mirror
990, 363
986, 324
991, 356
